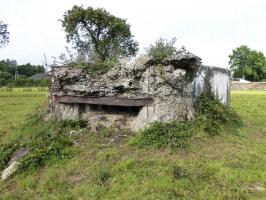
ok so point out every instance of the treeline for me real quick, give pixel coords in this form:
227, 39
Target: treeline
248, 64
14, 75
22, 82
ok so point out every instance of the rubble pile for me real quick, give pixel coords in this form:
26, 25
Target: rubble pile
164, 89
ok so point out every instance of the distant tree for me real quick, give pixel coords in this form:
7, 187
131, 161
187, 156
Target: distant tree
30, 70
4, 34
248, 63
8, 66
5, 75
162, 48
8, 70
98, 34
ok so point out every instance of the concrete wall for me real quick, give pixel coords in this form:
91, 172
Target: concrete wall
255, 86
219, 79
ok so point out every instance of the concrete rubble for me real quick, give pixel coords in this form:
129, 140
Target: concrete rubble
168, 84
13, 164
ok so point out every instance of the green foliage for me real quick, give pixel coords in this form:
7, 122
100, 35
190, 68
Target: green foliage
92, 67
224, 167
74, 124
159, 134
22, 82
211, 117
6, 151
15, 103
8, 70
98, 67
5, 78
9, 66
5, 75
216, 115
4, 34
102, 175
30, 70
46, 141
248, 63
162, 48
97, 34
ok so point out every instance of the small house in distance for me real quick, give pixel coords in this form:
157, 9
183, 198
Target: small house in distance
40, 76
133, 94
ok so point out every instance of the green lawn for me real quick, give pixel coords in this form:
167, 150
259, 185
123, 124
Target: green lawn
15, 105
222, 167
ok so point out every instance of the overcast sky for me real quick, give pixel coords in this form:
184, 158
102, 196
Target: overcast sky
207, 28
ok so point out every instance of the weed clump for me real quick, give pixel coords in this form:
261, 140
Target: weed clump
215, 115
162, 49
45, 140
211, 117
6, 151
160, 134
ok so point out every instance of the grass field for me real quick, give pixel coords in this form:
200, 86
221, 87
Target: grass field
228, 166
15, 105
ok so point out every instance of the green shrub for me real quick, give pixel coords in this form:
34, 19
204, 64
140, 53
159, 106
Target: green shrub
6, 151
97, 68
46, 141
216, 115
212, 116
162, 48
174, 134
74, 124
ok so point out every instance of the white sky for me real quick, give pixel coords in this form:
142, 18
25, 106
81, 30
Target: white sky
207, 28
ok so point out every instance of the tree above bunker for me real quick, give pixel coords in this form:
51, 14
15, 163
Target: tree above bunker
98, 35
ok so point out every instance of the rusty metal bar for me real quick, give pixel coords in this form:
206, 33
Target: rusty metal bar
112, 101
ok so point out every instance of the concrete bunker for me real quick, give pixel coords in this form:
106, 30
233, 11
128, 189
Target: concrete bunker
108, 105
133, 93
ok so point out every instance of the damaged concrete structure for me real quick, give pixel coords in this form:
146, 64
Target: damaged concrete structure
134, 94
219, 79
